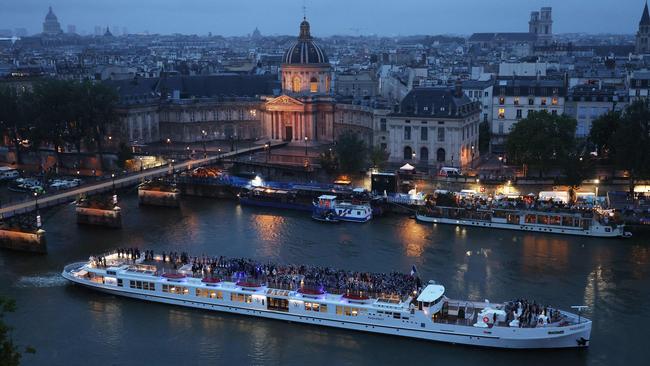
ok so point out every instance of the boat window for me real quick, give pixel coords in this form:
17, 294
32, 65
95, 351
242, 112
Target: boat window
213, 294
312, 306
235, 297
323, 308
119, 282
172, 289
274, 303
397, 315
567, 221
531, 219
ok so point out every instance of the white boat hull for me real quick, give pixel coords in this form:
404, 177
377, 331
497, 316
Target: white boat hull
496, 337
600, 232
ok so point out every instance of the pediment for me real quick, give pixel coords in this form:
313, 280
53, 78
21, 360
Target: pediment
285, 101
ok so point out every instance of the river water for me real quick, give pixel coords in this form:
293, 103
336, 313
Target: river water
69, 325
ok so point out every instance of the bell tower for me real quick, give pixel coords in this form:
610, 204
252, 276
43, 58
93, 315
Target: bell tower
643, 35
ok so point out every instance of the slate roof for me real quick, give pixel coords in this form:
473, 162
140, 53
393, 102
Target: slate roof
436, 102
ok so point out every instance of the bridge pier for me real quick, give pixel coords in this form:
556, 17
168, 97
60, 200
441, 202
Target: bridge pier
158, 193
19, 233
99, 211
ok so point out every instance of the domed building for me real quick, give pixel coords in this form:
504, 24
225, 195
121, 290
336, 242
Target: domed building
305, 110
51, 26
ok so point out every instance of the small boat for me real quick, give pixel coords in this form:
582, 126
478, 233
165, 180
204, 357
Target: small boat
325, 216
343, 211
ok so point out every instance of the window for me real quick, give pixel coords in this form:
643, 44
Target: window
407, 132
296, 84
519, 113
213, 294
119, 282
502, 113
502, 101
500, 128
531, 101
408, 153
172, 289
277, 304
516, 100
441, 134
440, 155
314, 306
235, 297
543, 101
424, 154
313, 85
424, 133
382, 124
554, 101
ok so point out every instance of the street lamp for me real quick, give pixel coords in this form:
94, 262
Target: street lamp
306, 138
38, 216
597, 182
204, 136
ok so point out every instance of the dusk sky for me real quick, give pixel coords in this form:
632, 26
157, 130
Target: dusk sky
402, 17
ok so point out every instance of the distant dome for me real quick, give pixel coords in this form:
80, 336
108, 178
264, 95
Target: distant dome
305, 50
50, 15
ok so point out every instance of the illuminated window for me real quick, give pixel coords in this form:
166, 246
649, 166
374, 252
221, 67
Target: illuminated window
554, 101
543, 101
313, 85
502, 101
296, 84
502, 113
516, 100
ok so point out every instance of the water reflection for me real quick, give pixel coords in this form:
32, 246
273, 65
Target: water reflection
413, 237
107, 319
268, 228
541, 254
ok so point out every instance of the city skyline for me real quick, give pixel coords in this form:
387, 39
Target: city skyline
279, 18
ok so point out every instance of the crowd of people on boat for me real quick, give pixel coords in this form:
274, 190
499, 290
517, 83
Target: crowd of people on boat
296, 277
530, 314
488, 202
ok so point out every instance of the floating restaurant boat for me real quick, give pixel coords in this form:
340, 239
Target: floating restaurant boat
327, 206
593, 223
393, 304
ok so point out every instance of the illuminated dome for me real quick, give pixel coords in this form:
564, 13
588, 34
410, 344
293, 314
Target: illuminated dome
305, 50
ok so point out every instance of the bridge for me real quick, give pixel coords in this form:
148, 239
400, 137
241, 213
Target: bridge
112, 182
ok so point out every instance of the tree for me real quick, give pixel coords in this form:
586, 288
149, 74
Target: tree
483, 137
329, 162
631, 142
378, 157
602, 131
351, 152
9, 353
576, 169
123, 154
541, 140
14, 115
99, 113
54, 101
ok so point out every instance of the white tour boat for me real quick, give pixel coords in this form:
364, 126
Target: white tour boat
423, 313
553, 222
327, 206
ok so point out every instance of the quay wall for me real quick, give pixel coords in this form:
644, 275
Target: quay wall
23, 241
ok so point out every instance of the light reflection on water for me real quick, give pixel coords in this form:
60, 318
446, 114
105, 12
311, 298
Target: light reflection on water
611, 276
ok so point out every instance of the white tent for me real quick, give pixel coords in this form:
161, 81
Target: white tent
408, 167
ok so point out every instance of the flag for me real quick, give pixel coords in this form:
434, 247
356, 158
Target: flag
414, 270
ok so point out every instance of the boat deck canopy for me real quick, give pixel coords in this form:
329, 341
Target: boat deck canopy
431, 293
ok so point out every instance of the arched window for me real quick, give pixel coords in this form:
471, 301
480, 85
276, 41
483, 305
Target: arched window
296, 84
408, 153
424, 154
440, 155
313, 85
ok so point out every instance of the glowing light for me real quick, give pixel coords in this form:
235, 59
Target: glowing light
257, 181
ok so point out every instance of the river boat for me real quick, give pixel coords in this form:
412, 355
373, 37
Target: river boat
342, 210
593, 222
412, 309
287, 199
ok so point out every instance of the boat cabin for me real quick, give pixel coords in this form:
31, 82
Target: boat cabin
430, 299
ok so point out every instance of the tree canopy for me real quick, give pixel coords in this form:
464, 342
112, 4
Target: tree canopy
351, 152
541, 140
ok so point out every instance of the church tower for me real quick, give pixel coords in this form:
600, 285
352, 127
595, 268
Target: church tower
541, 24
643, 35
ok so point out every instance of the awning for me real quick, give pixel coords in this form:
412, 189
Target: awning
407, 166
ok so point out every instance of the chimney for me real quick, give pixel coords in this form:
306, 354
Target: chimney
459, 89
